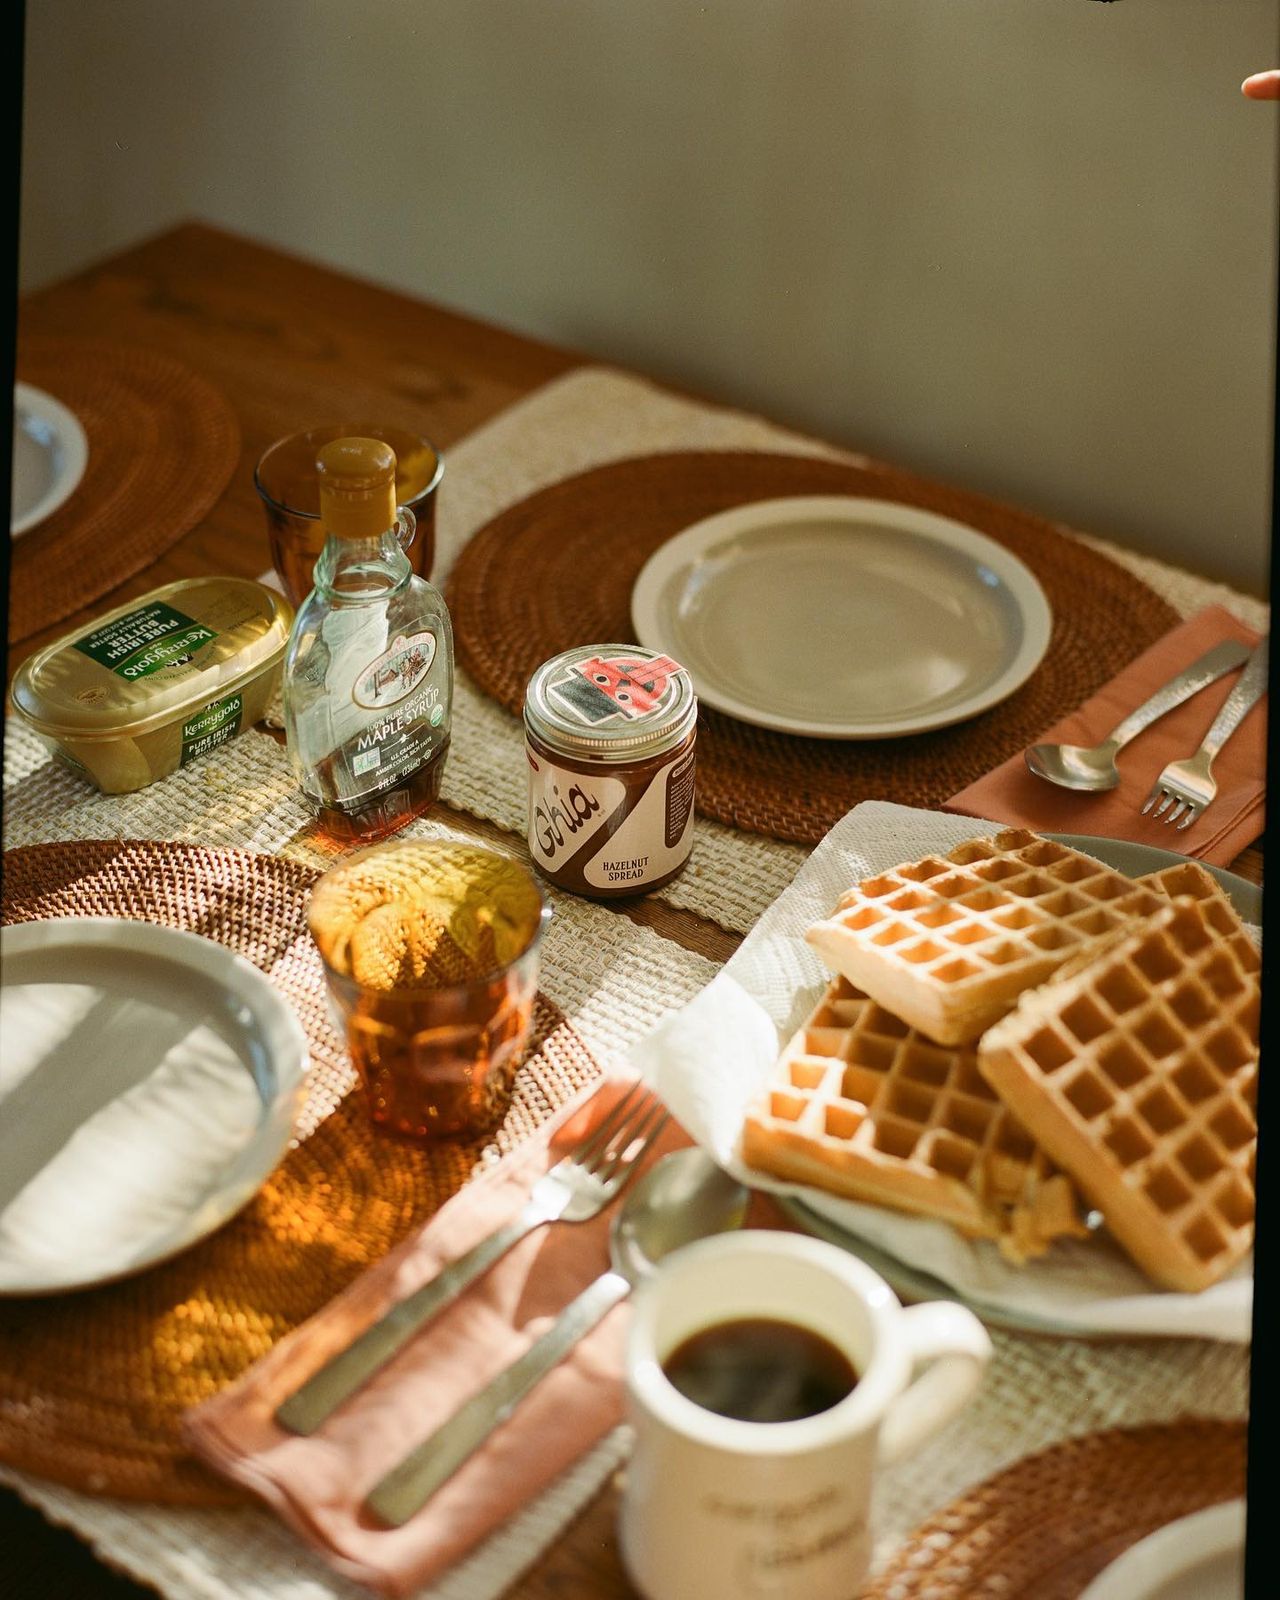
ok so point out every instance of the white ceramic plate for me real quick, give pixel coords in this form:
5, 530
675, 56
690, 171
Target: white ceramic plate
817, 1213
1200, 1557
842, 618
50, 453
150, 1082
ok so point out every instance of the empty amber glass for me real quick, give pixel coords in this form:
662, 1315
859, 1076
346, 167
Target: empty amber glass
289, 485
430, 949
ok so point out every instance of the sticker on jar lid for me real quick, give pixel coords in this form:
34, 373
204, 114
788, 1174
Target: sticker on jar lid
397, 672
605, 689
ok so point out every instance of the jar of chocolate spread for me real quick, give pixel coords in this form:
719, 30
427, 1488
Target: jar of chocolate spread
609, 736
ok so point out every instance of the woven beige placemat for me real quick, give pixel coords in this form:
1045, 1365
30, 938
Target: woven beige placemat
163, 443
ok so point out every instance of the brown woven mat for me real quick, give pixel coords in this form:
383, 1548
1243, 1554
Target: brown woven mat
557, 569
163, 444
93, 1384
1046, 1526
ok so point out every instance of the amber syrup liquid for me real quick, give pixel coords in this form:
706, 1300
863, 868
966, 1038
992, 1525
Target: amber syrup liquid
372, 817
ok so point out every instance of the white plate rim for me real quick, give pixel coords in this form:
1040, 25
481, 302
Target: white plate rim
1171, 1551
75, 445
684, 548
914, 1283
279, 1029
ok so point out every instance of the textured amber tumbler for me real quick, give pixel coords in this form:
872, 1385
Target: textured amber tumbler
288, 484
431, 952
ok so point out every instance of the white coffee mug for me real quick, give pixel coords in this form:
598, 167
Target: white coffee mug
717, 1508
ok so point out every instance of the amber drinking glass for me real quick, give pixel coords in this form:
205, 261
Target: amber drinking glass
287, 481
430, 950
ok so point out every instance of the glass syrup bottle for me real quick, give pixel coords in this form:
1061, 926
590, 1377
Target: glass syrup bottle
368, 673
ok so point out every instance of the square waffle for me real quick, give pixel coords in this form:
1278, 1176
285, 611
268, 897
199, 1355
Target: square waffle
1189, 879
864, 1106
949, 942
1138, 1073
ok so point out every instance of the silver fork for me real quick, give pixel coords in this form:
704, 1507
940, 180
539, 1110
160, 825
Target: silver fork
577, 1188
1185, 788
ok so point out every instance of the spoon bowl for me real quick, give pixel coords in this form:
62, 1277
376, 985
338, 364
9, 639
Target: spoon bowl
683, 1197
1076, 766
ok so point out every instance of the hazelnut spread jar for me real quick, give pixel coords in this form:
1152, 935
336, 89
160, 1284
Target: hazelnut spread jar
609, 736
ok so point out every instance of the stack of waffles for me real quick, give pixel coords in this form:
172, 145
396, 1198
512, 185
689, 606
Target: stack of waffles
1015, 1034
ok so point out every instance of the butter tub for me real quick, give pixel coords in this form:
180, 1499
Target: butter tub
156, 683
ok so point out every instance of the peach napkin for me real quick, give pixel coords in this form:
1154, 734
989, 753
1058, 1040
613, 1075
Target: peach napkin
317, 1484
1012, 794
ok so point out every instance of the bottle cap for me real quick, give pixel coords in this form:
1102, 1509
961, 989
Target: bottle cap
357, 488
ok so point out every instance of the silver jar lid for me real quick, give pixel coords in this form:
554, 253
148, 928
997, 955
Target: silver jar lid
610, 702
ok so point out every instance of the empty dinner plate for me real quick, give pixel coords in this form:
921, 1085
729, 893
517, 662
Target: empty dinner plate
841, 617
1199, 1557
50, 453
149, 1082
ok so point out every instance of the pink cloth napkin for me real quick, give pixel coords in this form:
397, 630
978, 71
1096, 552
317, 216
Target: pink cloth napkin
1012, 794
317, 1484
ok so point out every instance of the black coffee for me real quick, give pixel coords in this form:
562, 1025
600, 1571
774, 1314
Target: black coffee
760, 1369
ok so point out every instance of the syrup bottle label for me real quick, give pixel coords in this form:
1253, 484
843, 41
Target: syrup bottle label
397, 672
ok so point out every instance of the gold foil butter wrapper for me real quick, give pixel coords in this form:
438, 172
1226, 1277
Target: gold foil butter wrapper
158, 682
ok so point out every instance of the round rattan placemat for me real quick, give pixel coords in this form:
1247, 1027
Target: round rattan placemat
557, 569
93, 1385
163, 444
1046, 1526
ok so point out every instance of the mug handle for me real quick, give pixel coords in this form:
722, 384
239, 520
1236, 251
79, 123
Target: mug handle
951, 1338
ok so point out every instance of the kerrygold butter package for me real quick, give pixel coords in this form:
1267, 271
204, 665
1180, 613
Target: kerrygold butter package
157, 682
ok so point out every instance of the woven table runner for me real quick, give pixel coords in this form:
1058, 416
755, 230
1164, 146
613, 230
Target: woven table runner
557, 569
163, 444
1046, 1527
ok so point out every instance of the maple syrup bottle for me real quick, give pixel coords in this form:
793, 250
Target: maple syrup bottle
368, 674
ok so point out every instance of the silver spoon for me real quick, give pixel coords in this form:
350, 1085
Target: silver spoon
1093, 767
683, 1197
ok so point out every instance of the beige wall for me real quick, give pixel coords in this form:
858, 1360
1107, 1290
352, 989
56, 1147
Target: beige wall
1028, 245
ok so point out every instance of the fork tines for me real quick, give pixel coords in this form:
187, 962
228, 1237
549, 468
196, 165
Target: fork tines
1169, 797
594, 1153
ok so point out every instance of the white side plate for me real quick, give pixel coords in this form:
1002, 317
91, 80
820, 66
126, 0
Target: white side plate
841, 617
150, 1083
1200, 1557
50, 453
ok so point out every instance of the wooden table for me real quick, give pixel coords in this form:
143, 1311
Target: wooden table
292, 344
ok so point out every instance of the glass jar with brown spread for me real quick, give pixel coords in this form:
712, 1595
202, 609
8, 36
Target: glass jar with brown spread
609, 736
